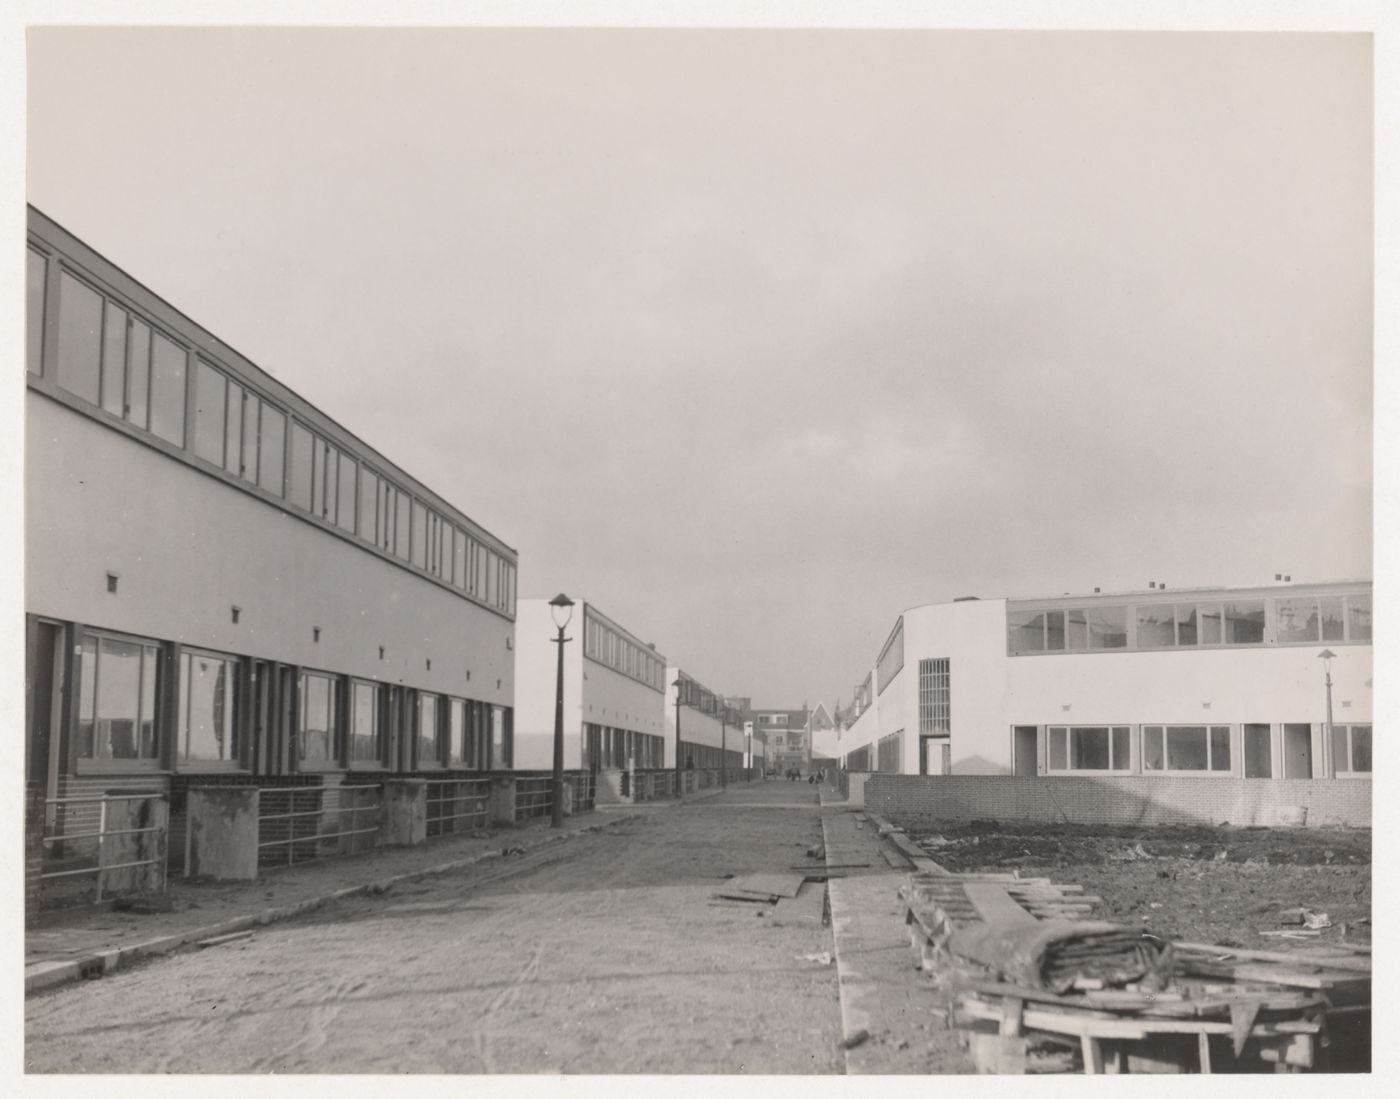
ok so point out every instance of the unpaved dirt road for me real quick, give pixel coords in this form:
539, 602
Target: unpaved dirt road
604, 954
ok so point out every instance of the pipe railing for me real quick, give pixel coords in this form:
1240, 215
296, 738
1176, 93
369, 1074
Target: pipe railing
313, 839
101, 834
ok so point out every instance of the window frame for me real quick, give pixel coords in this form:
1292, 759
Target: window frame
335, 761
240, 721
436, 762
1349, 729
96, 765
1069, 730
381, 725
1234, 770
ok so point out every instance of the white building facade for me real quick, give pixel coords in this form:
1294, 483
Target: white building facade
1159, 684
614, 693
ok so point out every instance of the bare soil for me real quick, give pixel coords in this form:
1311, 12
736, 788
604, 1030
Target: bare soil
605, 953
1214, 884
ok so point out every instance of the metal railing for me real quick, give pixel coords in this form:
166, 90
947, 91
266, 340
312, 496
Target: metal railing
457, 805
534, 796
304, 822
585, 791
60, 813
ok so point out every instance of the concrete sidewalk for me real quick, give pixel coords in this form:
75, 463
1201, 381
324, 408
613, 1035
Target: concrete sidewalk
92, 941
887, 1005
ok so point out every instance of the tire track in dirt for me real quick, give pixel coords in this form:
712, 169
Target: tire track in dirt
502, 1001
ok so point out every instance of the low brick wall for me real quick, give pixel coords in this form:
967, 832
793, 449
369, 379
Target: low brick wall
1132, 800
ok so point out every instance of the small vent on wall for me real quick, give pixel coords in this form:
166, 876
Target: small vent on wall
234, 612
316, 634
112, 579
381, 652
428, 664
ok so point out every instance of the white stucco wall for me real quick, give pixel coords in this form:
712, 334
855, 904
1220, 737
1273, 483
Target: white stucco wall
188, 547
593, 692
696, 727
992, 692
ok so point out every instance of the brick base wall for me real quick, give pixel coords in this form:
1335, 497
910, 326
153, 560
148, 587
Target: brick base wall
1130, 800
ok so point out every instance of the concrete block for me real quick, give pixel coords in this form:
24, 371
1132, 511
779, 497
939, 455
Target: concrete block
405, 820
500, 805
130, 846
223, 833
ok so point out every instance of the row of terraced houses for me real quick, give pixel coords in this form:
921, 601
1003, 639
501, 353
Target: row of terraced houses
238, 611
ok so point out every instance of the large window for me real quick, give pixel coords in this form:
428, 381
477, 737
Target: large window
429, 731
935, 696
316, 733
889, 753
456, 732
1244, 622
1359, 617
891, 657
502, 748
117, 699
168, 390
78, 363
1351, 749
210, 412
1094, 748
36, 278
366, 732
1316, 618
1295, 619
209, 730
1186, 748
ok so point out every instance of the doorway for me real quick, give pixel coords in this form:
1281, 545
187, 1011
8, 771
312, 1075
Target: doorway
935, 756
1258, 751
1297, 751
1023, 751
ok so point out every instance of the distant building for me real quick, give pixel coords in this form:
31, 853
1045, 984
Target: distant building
614, 693
711, 733
787, 735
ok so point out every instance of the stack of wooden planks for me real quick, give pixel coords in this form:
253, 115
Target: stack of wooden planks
1194, 1005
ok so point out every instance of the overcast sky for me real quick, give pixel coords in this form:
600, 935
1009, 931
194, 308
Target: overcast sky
757, 338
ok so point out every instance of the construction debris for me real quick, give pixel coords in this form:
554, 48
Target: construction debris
1023, 970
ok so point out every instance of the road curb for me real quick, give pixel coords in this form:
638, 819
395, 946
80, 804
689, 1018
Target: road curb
49, 974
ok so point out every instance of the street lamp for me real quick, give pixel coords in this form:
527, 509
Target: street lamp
678, 684
561, 608
723, 755
1326, 656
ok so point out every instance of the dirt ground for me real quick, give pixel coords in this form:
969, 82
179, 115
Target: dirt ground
1214, 884
605, 953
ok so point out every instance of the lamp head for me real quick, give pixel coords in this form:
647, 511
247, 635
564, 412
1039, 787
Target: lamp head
1326, 654
561, 608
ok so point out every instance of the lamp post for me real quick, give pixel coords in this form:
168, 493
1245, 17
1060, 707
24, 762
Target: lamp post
723, 755
561, 608
1326, 656
678, 684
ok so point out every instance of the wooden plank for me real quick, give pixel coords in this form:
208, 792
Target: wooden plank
1297, 957
1099, 1025
1012, 1008
773, 884
1093, 1055
994, 906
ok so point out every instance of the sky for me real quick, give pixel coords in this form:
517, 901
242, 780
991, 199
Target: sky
756, 338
